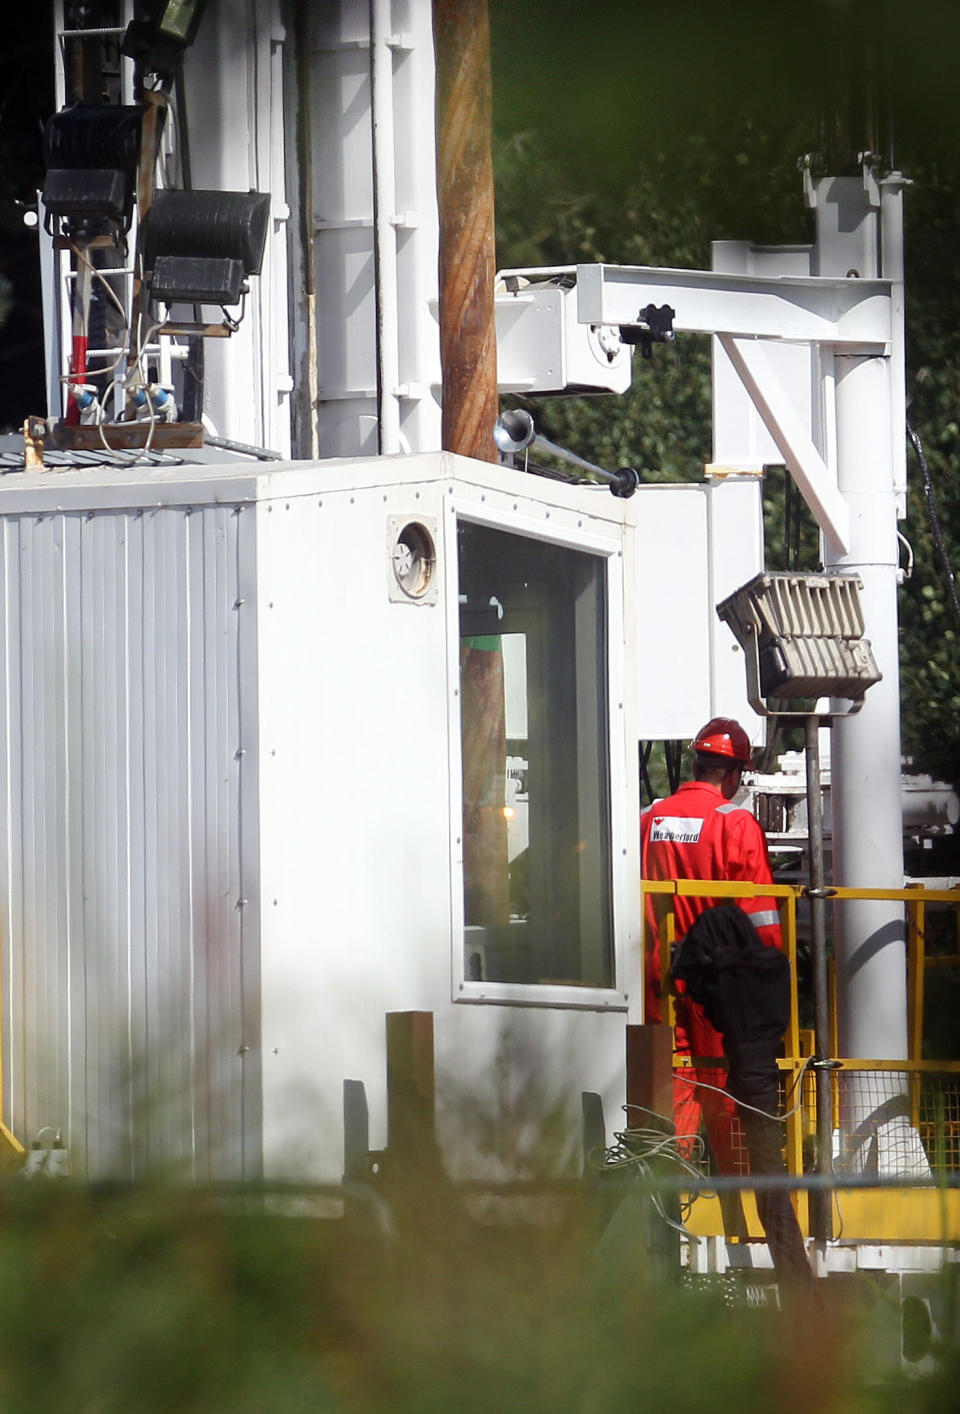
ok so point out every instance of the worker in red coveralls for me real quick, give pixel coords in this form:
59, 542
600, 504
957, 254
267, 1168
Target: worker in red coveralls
699, 833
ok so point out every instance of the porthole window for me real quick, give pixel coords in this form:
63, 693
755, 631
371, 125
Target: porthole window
412, 555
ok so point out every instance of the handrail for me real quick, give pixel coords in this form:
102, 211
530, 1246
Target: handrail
798, 1057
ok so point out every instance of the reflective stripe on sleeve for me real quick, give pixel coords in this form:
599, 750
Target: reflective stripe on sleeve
764, 918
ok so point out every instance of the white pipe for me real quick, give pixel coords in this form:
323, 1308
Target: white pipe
385, 234
892, 269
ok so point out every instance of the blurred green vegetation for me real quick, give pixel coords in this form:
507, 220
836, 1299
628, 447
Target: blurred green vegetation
171, 1299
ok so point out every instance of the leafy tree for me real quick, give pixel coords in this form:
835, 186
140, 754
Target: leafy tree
742, 184
666, 212
930, 624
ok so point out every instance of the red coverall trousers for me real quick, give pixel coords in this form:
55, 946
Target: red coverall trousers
697, 834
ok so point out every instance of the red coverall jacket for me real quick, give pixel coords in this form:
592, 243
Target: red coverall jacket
697, 834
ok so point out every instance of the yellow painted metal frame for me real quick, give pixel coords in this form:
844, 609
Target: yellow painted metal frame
912, 1215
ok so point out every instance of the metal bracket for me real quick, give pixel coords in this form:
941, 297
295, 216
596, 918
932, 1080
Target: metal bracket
653, 326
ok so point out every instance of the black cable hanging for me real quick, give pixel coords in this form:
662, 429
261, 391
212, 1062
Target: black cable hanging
673, 756
935, 527
673, 760
645, 749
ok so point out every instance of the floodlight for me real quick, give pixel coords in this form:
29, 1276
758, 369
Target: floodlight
157, 43
802, 635
200, 246
92, 152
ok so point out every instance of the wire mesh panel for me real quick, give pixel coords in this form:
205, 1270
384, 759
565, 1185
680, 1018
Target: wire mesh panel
899, 1122
938, 1119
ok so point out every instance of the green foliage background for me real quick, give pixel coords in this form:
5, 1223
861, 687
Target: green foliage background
618, 142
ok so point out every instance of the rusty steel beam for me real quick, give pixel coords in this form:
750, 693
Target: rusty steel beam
468, 342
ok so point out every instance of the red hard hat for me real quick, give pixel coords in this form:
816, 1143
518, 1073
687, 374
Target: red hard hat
722, 736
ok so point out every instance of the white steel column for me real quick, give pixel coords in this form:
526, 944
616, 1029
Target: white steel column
859, 232
865, 765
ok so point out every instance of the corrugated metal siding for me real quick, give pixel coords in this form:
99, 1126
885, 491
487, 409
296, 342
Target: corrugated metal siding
120, 835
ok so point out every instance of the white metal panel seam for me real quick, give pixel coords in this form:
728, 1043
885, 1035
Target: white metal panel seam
248, 725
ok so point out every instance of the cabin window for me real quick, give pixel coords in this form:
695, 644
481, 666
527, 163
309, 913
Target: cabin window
534, 734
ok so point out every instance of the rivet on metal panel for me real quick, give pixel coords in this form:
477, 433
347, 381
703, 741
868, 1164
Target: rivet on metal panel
270, 510
89, 515
548, 515
240, 751
483, 498
237, 603
449, 490
241, 903
416, 495
319, 505
514, 505
243, 1050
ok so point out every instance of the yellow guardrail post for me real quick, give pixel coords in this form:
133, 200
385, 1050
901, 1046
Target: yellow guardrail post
916, 954
916, 958
793, 1067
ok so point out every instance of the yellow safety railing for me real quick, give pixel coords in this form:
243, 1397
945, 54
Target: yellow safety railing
939, 1131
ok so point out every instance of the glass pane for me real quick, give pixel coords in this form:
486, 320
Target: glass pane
535, 772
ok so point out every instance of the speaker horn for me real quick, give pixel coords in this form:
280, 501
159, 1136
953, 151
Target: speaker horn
514, 430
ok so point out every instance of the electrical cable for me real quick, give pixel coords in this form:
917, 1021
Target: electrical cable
673, 760
101, 275
742, 1104
645, 748
637, 1148
935, 526
108, 368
